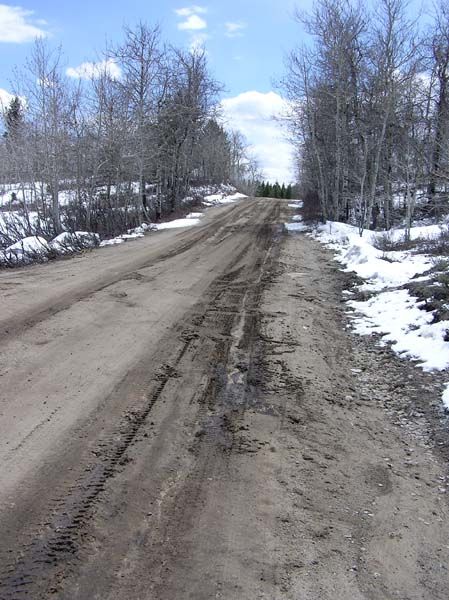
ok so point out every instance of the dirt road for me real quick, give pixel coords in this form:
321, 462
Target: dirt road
187, 416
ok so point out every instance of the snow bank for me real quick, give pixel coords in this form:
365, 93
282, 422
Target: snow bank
186, 222
213, 199
391, 312
67, 242
380, 269
36, 247
396, 316
132, 234
25, 250
29, 244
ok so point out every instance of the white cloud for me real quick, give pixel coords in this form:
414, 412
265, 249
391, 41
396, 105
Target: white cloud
16, 25
193, 23
234, 29
190, 10
89, 70
253, 114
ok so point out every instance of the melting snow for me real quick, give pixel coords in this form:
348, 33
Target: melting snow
391, 312
186, 222
295, 227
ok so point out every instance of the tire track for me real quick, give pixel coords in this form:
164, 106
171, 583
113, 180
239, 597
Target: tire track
15, 326
54, 548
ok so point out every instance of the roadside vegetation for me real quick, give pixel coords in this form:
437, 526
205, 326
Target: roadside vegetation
274, 190
130, 139
369, 116
370, 112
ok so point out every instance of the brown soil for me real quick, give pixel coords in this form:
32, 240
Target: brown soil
188, 416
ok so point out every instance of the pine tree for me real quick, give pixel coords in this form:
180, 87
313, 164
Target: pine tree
288, 192
13, 119
283, 191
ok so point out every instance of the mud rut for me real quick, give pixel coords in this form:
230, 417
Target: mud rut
244, 447
221, 345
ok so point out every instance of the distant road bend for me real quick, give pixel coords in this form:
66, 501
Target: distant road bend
173, 425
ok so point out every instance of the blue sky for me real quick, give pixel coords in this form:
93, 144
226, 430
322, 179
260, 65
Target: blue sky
263, 29
246, 41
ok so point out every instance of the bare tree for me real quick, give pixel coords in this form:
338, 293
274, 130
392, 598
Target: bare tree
143, 86
439, 48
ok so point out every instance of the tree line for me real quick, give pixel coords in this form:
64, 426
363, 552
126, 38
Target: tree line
274, 190
125, 141
369, 113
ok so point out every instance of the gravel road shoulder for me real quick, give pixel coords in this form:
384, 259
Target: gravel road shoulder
365, 472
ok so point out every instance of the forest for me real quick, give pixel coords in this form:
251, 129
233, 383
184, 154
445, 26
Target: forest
124, 142
265, 189
369, 112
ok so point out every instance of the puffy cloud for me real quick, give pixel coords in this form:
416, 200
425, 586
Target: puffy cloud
193, 23
17, 26
191, 10
254, 114
234, 29
89, 70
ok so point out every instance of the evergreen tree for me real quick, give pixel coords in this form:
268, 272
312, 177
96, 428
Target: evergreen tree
283, 191
288, 192
13, 118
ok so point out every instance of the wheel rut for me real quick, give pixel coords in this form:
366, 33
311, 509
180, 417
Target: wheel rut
220, 337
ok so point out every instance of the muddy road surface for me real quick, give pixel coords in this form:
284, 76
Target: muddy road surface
188, 417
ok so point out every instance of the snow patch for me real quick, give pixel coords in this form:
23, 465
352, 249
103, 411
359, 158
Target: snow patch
446, 397
25, 250
186, 222
213, 199
397, 317
67, 242
380, 269
391, 312
295, 227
